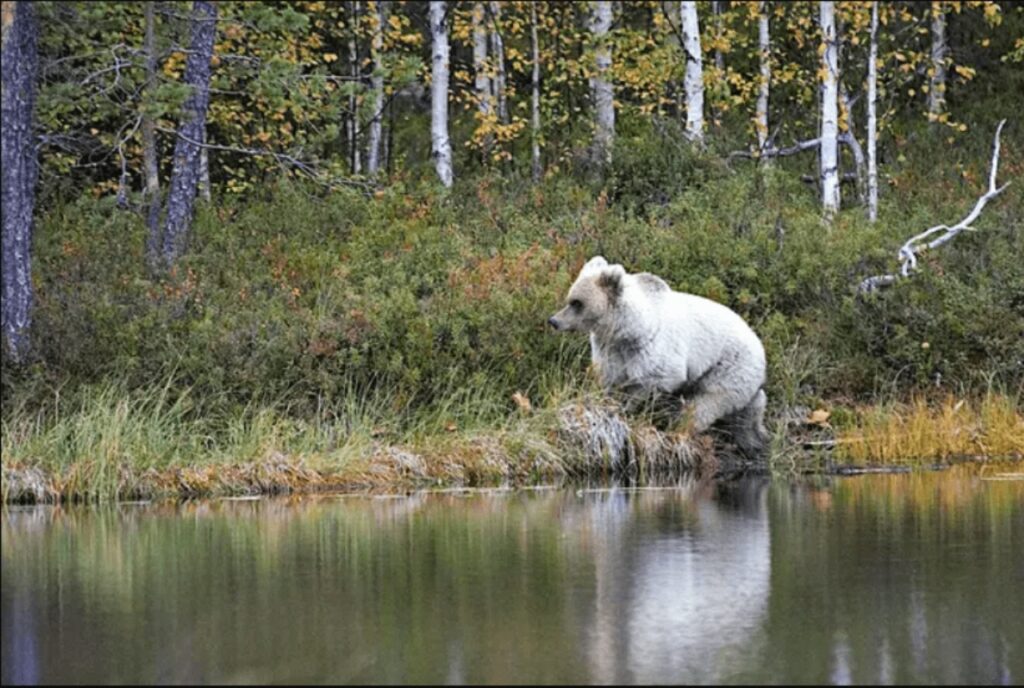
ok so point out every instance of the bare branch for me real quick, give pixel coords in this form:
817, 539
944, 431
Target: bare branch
309, 169
909, 251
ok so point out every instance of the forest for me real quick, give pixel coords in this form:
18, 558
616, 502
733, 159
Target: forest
256, 246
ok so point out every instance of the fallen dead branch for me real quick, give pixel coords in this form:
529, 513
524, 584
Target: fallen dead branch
910, 250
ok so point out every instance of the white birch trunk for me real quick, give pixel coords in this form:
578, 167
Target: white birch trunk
535, 106
498, 48
482, 83
693, 82
440, 144
204, 173
150, 159
601, 85
764, 49
353, 99
872, 133
377, 87
937, 85
829, 160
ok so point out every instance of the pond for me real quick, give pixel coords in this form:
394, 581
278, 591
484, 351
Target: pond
909, 578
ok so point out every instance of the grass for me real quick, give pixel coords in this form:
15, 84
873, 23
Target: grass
916, 431
118, 444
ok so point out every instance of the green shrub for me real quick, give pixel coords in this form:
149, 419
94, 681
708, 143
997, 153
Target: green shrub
298, 297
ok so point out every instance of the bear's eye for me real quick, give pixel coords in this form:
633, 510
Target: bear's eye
576, 305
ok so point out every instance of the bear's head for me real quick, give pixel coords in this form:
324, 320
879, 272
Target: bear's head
592, 298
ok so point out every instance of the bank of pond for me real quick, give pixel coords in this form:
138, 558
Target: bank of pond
124, 454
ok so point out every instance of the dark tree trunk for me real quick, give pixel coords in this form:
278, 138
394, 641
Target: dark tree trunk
19, 171
191, 132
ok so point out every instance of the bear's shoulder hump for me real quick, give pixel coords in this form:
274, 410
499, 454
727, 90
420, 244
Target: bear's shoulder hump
651, 283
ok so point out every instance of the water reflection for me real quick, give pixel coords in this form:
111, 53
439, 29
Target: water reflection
877, 579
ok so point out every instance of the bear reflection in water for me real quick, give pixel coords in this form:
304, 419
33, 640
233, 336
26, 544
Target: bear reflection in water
682, 580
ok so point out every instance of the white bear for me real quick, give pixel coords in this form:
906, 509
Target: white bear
649, 341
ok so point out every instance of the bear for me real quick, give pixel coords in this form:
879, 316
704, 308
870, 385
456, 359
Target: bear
650, 342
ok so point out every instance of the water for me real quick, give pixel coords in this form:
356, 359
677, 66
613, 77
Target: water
872, 579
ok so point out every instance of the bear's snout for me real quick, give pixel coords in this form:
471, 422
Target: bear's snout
554, 323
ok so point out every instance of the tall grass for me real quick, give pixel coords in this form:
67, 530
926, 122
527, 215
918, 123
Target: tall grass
911, 432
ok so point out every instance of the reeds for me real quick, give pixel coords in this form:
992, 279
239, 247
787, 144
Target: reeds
116, 445
911, 432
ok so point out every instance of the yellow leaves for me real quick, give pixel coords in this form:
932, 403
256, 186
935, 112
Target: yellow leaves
522, 402
965, 71
819, 417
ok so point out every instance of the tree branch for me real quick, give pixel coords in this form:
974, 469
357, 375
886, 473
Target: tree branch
306, 168
909, 251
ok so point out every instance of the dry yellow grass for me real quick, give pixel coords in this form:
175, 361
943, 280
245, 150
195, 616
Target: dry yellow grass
908, 433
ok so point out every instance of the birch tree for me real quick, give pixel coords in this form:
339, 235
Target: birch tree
829, 147
185, 172
20, 168
535, 104
600, 84
376, 87
441, 147
693, 81
203, 185
482, 80
872, 104
498, 49
937, 71
355, 159
764, 50
920, 243
150, 159
716, 12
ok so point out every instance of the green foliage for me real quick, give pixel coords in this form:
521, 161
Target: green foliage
295, 297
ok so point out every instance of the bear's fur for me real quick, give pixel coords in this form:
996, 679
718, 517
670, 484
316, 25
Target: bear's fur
651, 342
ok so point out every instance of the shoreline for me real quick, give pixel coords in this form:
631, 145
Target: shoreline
583, 440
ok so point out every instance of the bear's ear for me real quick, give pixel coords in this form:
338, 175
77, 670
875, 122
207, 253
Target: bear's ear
593, 265
611, 280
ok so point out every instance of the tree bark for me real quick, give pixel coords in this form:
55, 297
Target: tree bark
498, 48
693, 82
355, 158
20, 170
377, 87
482, 82
536, 168
482, 78
937, 85
872, 133
185, 172
716, 11
150, 158
829, 156
601, 86
441, 147
764, 49
204, 173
